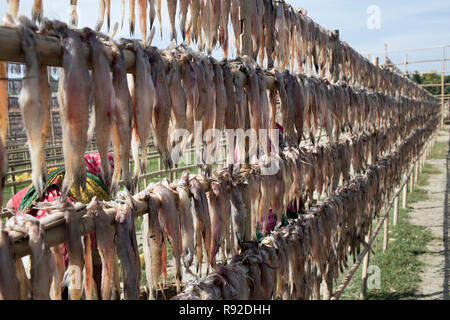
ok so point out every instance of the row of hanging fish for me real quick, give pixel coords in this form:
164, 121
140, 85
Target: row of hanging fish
171, 90
48, 273
200, 214
215, 212
279, 33
292, 262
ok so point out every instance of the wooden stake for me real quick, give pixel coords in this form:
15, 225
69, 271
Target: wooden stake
416, 172
396, 210
376, 62
411, 182
386, 232
365, 267
443, 87
404, 198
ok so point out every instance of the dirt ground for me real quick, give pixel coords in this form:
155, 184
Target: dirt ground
433, 214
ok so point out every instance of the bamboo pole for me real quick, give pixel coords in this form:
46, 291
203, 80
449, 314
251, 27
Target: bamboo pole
396, 210
50, 53
416, 172
54, 225
365, 267
411, 181
404, 198
386, 231
376, 62
442, 86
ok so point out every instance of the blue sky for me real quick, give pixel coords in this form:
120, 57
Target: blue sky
405, 24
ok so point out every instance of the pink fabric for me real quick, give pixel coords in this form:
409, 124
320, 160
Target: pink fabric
271, 223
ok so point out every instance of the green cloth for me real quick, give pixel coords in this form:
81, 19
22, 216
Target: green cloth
94, 187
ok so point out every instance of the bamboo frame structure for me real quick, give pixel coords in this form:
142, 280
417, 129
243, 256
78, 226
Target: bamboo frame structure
49, 52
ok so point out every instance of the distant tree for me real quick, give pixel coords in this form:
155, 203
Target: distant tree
431, 78
416, 77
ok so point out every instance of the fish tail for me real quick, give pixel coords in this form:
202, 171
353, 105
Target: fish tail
79, 174
73, 19
132, 16
173, 34
106, 172
123, 13
117, 162
36, 11
116, 280
108, 13
164, 260
143, 164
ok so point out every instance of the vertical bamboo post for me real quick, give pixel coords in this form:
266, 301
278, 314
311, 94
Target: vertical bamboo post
365, 267
416, 172
405, 195
405, 63
423, 162
386, 232
411, 181
442, 86
376, 62
396, 209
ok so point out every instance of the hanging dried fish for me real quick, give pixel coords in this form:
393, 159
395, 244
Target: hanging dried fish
105, 101
132, 6
37, 12
73, 96
34, 112
122, 129
143, 18
73, 15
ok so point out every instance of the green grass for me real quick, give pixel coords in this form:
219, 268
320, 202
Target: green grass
399, 265
439, 151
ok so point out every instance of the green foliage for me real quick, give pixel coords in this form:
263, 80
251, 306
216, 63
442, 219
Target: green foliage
431, 78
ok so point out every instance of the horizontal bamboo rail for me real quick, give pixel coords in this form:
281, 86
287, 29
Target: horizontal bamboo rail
54, 226
50, 53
